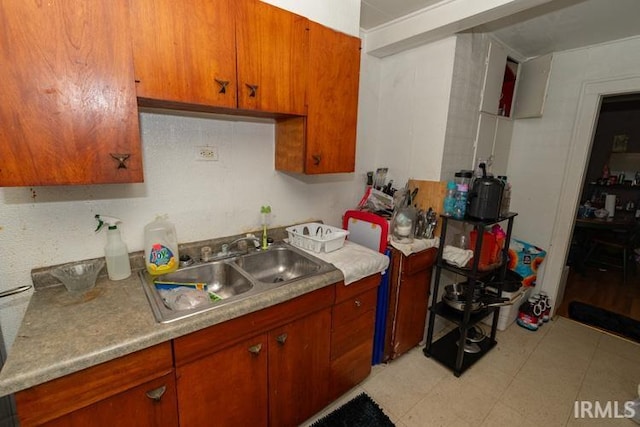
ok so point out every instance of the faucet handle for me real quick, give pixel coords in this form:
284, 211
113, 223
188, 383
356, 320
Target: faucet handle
225, 248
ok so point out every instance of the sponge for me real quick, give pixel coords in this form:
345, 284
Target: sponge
161, 284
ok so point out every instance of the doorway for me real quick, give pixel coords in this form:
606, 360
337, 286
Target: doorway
581, 142
612, 183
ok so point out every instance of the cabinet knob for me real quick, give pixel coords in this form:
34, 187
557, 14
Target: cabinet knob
357, 303
223, 85
316, 159
252, 90
255, 349
121, 158
281, 339
156, 393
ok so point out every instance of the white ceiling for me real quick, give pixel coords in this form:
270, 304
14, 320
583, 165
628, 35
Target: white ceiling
555, 26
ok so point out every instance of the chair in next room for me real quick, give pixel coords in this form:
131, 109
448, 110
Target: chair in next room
614, 248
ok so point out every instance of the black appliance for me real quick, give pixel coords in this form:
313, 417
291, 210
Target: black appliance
485, 197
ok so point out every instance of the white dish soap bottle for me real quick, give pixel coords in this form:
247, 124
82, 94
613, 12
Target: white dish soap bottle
115, 252
160, 246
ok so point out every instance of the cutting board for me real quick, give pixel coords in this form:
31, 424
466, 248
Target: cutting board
430, 195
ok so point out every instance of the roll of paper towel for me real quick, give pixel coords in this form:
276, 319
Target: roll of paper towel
610, 204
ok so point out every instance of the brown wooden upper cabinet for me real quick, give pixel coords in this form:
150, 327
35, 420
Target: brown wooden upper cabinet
68, 113
324, 141
226, 54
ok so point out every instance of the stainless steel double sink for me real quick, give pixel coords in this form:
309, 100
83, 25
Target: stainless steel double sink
233, 279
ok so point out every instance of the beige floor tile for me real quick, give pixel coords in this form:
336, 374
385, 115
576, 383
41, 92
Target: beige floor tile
503, 416
600, 422
404, 381
621, 347
537, 396
464, 397
431, 411
610, 377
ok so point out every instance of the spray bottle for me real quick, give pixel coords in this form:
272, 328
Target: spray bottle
115, 252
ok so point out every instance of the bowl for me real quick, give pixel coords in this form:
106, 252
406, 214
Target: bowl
78, 276
601, 213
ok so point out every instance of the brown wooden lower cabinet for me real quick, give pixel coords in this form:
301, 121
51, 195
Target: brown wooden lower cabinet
136, 390
409, 290
274, 367
352, 330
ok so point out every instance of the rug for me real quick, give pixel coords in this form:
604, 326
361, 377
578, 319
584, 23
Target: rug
361, 411
605, 319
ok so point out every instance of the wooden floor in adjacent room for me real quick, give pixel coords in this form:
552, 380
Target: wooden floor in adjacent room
603, 289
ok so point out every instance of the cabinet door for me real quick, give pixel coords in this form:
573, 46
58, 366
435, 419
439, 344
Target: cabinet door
299, 369
272, 45
227, 388
324, 141
532, 87
502, 146
494, 75
184, 51
152, 404
408, 301
485, 137
334, 72
68, 97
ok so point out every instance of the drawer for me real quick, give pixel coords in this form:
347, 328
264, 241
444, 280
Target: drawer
354, 307
420, 261
344, 293
351, 334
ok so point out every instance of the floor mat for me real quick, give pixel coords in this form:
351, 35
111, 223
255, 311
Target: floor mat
605, 319
361, 411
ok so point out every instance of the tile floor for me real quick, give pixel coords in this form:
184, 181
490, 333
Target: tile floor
528, 379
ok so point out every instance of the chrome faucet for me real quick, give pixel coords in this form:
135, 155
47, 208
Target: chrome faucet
226, 248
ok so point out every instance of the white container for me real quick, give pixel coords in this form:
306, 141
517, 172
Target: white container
116, 255
509, 313
317, 237
160, 246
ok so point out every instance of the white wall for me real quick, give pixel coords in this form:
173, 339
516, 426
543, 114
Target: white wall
44, 226
414, 100
341, 15
540, 146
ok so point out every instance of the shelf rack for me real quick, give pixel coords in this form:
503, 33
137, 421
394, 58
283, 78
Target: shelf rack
446, 349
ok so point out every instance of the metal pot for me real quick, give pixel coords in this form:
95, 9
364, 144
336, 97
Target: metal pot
477, 304
458, 291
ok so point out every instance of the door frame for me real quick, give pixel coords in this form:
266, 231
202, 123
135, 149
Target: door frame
582, 135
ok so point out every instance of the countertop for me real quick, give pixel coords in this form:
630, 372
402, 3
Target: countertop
61, 333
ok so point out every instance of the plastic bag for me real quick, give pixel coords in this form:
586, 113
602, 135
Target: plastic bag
183, 298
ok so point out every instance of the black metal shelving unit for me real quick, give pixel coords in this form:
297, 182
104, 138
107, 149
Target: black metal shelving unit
446, 349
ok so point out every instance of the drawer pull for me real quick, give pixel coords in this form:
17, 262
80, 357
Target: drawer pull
253, 89
121, 158
357, 303
223, 85
157, 393
255, 349
317, 158
281, 339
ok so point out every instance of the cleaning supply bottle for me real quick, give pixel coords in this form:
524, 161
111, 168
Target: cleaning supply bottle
160, 246
115, 252
265, 211
450, 199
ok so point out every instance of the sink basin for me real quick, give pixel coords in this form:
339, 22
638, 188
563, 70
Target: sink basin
220, 277
279, 264
228, 281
